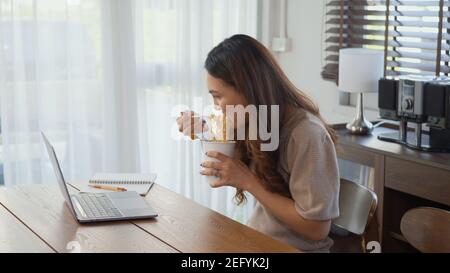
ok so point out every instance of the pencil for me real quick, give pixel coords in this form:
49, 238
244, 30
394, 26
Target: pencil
109, 188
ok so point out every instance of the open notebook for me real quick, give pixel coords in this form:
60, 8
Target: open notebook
140, 183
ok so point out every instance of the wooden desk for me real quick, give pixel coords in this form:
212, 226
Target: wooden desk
403, 179
35, 219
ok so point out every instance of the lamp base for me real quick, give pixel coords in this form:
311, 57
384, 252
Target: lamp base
360, 125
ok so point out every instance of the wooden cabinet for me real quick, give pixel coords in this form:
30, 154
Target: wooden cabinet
404, 179
417, 179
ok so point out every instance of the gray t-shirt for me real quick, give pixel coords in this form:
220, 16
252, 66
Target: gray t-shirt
308, 163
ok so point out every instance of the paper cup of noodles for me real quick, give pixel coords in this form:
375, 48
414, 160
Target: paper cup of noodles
223, 147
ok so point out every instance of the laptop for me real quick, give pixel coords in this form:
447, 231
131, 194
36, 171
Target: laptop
100, 207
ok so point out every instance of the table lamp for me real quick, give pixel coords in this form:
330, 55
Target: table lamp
359, 72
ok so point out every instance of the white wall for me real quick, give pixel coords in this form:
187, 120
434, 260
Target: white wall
303, 64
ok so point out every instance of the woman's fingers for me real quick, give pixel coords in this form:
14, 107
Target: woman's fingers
189, 124
184, 120
213, 172
208, 172
188, 131
219, 156
212, 165
190, 113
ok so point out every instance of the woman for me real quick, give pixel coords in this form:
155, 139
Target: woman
297, 185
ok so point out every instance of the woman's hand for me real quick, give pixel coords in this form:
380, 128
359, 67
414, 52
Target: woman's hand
189, 123
229, 172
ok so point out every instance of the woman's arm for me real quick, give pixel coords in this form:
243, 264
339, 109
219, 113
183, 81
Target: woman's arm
283, 208
234, 173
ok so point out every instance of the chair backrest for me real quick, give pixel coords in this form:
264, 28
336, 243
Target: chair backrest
427, 229
357, 205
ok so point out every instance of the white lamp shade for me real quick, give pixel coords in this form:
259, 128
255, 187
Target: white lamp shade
360, 69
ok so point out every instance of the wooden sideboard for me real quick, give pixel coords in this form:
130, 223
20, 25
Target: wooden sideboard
403, 179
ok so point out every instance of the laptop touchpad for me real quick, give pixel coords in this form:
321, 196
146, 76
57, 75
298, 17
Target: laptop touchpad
130, 203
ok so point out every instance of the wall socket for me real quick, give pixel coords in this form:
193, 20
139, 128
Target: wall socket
280, 44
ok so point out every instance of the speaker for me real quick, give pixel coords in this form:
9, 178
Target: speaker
387, 98
387, 94
447, 109
434, 104
434, 99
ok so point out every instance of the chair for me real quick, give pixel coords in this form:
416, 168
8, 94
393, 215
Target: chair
427, 229
357, 205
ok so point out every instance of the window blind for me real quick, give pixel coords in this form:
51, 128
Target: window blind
414, 35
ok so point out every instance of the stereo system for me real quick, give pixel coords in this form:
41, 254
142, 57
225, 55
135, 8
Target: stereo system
420, 100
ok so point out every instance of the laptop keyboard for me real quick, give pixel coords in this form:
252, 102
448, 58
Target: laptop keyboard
98, 206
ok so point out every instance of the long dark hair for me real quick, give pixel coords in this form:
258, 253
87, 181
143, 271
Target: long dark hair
245, 64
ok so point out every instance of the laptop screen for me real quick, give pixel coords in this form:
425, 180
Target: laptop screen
58, 173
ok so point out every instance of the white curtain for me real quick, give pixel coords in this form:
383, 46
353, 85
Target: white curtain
104, 79
173, 39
